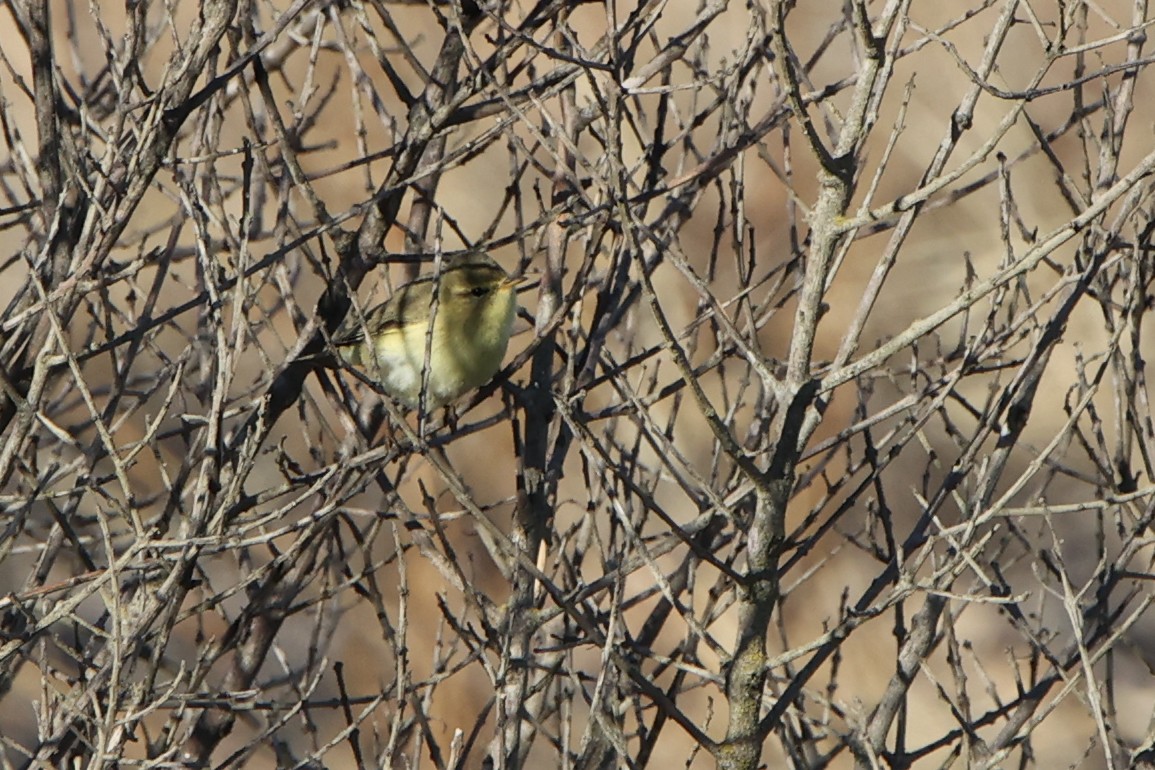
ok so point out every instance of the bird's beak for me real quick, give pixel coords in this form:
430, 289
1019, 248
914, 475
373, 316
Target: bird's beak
521, 282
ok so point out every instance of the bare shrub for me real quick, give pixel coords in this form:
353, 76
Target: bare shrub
824, 440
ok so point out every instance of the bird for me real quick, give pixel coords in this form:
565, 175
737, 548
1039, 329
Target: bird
472, 318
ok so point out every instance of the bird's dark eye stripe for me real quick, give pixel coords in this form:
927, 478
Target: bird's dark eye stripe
479, 291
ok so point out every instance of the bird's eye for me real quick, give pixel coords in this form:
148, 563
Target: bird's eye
479, 291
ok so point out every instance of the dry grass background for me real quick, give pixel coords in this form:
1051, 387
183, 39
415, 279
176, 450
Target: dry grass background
334, 652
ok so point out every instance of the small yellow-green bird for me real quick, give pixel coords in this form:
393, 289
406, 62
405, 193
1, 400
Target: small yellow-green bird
472, 321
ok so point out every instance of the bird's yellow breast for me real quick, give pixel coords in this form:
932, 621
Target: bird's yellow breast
465, 349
